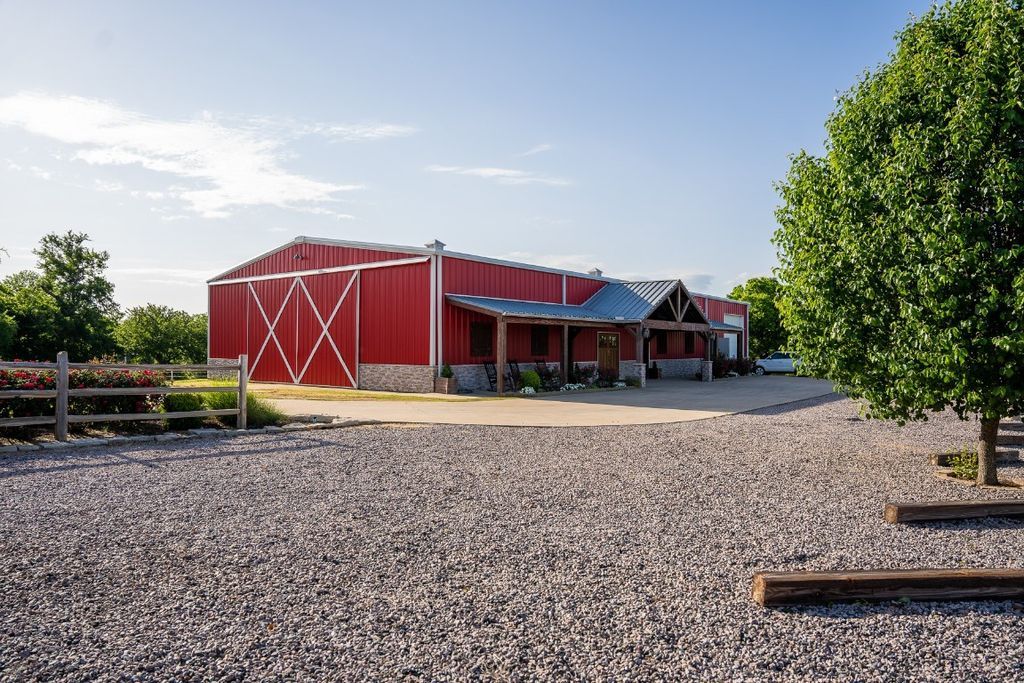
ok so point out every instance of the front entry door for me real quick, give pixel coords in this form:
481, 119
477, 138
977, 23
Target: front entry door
608, 354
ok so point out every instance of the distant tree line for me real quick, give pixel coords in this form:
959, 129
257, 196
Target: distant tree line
67, 304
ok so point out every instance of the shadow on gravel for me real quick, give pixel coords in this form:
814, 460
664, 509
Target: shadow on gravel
911, 608
794, 406
93, 458
978, 524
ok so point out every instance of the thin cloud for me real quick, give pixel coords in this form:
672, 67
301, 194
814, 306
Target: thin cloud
504, 176
107, 186
359, 132
227, 165
34, 171
536, 149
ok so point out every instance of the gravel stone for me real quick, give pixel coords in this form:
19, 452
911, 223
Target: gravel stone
453, 553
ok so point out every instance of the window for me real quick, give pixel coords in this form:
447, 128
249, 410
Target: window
539, 340
690, 342
661, 342
480, 340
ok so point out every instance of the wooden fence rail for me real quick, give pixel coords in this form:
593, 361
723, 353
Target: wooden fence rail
61, 417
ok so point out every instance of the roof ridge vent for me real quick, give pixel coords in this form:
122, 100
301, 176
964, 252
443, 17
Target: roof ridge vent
436, 245
596, 272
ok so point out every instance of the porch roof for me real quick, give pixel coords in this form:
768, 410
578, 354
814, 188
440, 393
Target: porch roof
724, 327
514, 308
617, 303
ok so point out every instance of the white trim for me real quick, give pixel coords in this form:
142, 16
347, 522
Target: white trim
359, 306
323, 271
746, 334
721, 298
209, 307
432, 305
373, 246
439, 305
564, 278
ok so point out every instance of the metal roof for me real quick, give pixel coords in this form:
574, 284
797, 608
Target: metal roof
616, 302
630, 300
724, 327
534, 309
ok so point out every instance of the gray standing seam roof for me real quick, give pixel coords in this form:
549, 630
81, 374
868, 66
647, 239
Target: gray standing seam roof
616, 302
630, 300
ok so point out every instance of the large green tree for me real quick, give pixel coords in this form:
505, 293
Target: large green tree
766, 331
159, 334
8, 326
33, 314
902, 247
73, 275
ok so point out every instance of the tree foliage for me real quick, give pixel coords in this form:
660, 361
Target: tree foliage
33, 314
73, 275
766, 331
159, 334
902, 248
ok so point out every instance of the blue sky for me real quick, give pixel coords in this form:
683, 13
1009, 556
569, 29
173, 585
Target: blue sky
642, 138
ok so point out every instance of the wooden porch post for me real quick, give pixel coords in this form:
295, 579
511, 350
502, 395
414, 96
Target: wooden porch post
640, 344
502, 352
565, 354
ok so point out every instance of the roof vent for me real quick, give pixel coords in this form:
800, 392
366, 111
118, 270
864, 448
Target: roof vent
596, 272
436, 245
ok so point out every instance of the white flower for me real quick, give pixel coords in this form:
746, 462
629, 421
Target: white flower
527, 390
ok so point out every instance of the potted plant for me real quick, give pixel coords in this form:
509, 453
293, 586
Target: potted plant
447, 383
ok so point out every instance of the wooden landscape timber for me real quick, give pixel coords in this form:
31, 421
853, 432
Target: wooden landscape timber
1014, 438
899, 513
798, 588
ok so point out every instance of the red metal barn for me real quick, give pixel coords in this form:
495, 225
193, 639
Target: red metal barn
351, 314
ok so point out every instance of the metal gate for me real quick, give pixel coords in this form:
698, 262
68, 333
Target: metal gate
305, 329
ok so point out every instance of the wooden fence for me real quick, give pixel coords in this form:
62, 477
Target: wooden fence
61, 418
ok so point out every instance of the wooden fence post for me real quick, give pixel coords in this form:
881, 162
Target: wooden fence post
61, 411
243, 385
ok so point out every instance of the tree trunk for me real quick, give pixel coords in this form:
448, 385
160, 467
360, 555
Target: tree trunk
987, 452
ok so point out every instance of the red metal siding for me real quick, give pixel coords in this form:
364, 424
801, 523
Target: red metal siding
506, 282
579, 289
314, 256
716, 311
394, 316
456, 335
227, 320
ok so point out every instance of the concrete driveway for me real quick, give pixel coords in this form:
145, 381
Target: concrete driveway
663, 401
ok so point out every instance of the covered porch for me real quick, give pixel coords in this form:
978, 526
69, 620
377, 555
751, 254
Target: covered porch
620, 330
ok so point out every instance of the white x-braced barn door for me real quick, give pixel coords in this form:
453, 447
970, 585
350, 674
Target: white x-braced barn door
305, 330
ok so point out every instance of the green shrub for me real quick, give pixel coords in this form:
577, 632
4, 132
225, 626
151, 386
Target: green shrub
531, 379
175, 403
965, 464
260, 412
447, 372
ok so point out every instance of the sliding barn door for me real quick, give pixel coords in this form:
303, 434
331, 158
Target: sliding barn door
305, 330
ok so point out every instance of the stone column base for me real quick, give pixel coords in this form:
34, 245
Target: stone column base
706, 373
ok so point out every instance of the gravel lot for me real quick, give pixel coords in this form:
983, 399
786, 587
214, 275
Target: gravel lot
441, 553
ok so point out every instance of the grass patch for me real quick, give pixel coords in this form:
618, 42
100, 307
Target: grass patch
324, 393
260, 411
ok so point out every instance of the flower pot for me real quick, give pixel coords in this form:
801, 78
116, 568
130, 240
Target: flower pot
446, 385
